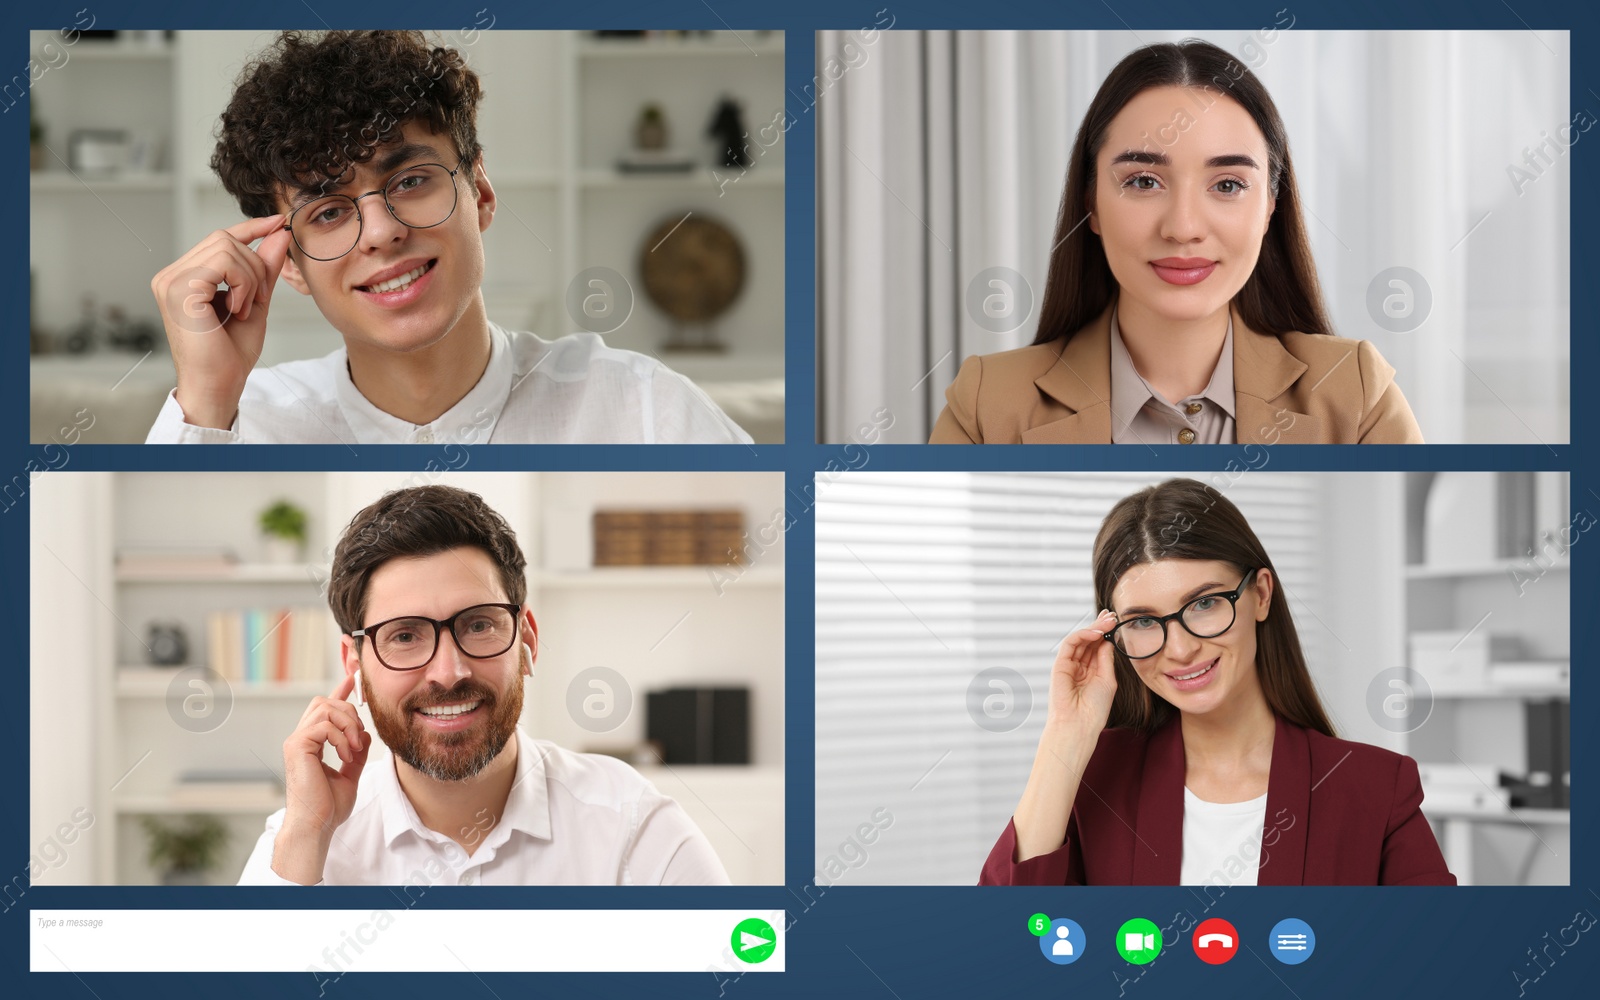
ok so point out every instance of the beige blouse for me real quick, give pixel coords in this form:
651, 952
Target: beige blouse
1141, 415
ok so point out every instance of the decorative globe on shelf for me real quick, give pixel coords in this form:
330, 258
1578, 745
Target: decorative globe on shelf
694, 270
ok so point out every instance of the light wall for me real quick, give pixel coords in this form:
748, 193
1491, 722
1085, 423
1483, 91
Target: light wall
92, 745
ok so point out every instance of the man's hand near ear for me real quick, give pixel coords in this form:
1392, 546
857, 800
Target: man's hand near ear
320, 798
216, 335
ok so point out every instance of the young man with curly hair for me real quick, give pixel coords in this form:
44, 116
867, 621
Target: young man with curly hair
355, 155
429, 590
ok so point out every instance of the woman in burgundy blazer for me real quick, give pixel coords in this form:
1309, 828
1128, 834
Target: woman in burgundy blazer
1125, 734
1361, 825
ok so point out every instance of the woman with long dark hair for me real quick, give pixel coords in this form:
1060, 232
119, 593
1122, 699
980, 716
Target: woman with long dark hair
1185, 743
1182, 303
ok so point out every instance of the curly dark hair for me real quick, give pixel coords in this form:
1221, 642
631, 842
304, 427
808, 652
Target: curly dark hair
313, 104
419, 521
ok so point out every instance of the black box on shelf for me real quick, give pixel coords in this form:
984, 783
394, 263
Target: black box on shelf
700, 725
1561, 777
1549, 755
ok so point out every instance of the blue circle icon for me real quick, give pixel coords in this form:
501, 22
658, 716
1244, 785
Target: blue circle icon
1292, 941
1063, 942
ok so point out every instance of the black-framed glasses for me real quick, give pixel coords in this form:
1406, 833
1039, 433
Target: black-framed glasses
1205, 617
408, 643
420, 196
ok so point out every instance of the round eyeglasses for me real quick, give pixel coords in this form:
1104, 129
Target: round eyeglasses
420, 197
408, 643
1205, 617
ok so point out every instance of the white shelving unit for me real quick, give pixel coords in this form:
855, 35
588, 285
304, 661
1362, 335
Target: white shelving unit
1483, 722
139, 681
44, 182
559, 109
241, 573
252, 808
656, 577
769, 44
143, 750
663, 627
1498, 568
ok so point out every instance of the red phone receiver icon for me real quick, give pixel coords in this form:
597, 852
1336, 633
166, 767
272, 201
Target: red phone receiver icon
1215, 941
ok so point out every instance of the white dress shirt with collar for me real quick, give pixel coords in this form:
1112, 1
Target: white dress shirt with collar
571, 819
572, 390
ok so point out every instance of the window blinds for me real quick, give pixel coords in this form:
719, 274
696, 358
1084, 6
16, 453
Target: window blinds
925, 579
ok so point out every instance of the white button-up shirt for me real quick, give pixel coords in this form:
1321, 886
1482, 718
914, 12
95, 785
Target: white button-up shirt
571, 819
572, 390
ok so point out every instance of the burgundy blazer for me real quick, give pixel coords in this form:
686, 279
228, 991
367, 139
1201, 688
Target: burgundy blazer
1338, 813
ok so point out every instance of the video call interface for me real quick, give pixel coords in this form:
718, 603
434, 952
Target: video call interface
768, 500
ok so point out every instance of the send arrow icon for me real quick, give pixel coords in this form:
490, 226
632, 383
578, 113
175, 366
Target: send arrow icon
748, 940
754, 941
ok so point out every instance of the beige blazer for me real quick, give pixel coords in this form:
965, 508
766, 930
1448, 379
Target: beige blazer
1295, 388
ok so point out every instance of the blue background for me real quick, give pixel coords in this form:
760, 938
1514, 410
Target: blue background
900, 943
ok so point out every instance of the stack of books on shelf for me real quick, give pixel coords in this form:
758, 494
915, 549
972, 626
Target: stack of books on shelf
270, 645
668, 537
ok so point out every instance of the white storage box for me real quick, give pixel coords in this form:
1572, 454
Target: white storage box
1447, 659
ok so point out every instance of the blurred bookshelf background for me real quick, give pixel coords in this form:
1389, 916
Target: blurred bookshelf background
1488, 622
188, 639
594, 142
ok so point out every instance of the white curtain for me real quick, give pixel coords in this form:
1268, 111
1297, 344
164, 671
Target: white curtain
940, 155
943, 154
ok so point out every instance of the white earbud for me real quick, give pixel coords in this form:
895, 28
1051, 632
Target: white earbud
355, 695
527, 660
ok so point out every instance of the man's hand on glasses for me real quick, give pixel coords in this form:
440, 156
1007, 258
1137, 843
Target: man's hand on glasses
216, 334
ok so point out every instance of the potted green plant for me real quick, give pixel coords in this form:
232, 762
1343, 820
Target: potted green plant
283, 530
184, 852
651, 130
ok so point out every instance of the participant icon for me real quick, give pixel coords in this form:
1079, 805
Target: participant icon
1063, 942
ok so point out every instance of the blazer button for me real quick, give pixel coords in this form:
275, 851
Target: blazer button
1191, 408
1186, 436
